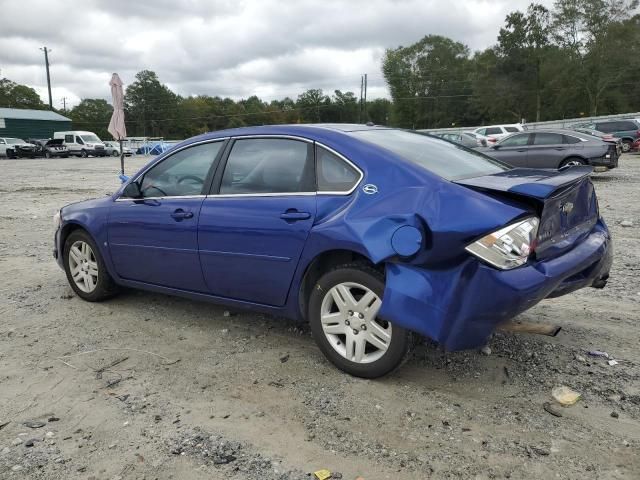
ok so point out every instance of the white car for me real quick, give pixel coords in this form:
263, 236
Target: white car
493, 133
16, 148
113, 149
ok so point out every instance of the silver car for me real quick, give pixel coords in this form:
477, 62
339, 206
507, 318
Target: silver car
554, 148
113, 149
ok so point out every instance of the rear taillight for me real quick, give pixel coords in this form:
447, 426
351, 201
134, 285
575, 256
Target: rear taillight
508, 247
492, 139
638, 134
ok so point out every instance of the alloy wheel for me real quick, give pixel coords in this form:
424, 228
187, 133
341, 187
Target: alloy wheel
83, 266
349, 321
574, 163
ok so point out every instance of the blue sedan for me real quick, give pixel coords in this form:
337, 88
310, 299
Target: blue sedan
373, 235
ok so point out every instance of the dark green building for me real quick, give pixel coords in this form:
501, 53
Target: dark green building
22, 123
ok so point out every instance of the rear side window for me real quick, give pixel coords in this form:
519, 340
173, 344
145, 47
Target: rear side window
570, 139
333, 173
448, 160
547, 139
269, 165
68, 138
511, 129
493, 131
627, 126
607, 127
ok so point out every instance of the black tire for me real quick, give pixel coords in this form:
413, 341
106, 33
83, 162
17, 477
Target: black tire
105, 286
401, 339
626, 145
114, 153
47, 155
572, 161
10, 154
65, 156
83, 153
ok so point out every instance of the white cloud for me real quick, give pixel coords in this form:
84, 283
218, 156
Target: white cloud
229, 48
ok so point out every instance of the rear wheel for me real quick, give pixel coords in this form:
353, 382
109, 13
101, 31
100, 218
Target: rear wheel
85, 268
572, 161
343, 314
114, 153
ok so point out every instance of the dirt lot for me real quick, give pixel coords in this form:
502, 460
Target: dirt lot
149, 386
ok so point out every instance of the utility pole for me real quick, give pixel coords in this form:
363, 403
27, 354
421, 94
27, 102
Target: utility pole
360, 104
64, 104
366, 117
46, 62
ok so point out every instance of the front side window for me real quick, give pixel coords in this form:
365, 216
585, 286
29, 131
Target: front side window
547, 139
333, 173
2, 142
515, 140
79, 140
90, 138
450, 161
182, 174
268, 165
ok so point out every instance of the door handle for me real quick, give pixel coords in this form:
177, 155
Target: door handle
295, 215
559, 148
180, 214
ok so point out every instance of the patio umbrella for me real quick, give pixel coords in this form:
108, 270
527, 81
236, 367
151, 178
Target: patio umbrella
116, 125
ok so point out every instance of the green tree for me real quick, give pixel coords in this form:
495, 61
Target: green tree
14, 95
429, 82
93, 114
310, 105
151, 107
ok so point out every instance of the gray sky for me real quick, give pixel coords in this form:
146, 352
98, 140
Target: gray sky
228, 48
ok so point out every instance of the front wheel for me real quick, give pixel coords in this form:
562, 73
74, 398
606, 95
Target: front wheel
343, 314
626, 145
84, 154
85, 269
47, 155
114, 153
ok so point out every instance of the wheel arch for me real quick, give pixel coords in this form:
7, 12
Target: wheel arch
583, 159
321, 264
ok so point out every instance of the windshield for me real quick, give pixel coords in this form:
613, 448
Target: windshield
14, 140
90, 138
449, 160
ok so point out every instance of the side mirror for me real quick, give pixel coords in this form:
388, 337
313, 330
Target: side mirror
132, 190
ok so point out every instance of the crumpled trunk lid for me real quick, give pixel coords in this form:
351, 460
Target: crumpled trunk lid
565, 200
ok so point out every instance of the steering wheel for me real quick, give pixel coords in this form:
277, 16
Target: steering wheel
190, 177
164, 194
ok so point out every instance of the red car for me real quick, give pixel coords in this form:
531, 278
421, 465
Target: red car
635, 146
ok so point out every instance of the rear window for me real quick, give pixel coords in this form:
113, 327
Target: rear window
493, 131
448, 160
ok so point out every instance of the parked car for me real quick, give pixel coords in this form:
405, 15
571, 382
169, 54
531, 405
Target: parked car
635, 147
626, 130
555, 148
113, 149
16, 148
370, 234
606, 137
496, 132
464, 138
81, 143
50, 148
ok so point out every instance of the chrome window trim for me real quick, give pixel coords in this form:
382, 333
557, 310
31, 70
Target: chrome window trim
159, 160
232, 195
169, 197
349, 162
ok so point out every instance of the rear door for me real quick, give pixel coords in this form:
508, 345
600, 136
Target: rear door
547, 150
154, 238
255, 223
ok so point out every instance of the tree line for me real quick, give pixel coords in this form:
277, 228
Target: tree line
580, 58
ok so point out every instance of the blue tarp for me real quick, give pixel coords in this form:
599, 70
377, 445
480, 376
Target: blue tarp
153, 149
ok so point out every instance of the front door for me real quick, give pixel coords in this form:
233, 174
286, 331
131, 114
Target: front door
512, 150
153, 238
255, 224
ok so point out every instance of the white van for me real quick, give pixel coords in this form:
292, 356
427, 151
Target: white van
496, 132
82, 143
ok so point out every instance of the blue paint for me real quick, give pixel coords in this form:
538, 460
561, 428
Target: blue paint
240, 252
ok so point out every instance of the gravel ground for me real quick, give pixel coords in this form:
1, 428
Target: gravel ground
149, 386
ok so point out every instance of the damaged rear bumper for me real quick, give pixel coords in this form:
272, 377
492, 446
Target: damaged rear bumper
462, 306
